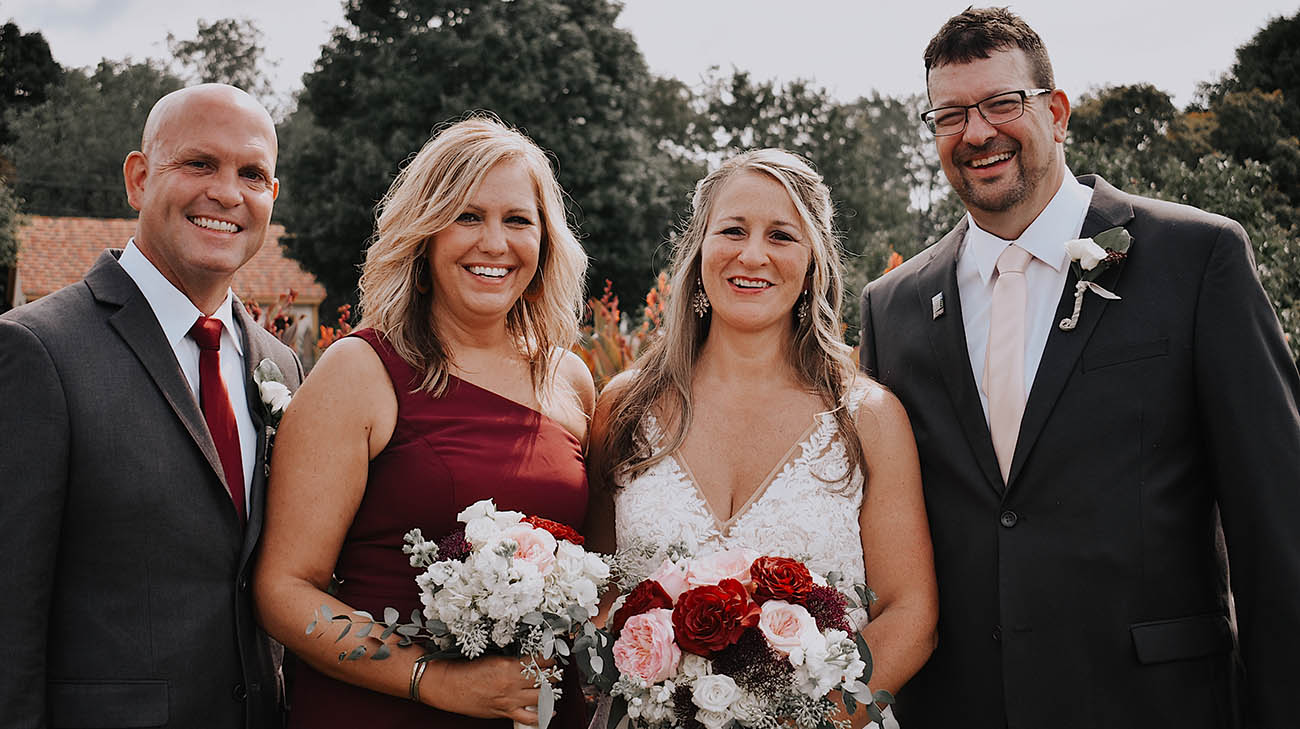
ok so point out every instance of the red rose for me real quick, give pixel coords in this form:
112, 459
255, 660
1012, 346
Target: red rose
712, 617
645, 596
780, 578
557, 530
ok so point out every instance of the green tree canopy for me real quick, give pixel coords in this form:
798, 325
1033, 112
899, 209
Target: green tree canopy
558, 69
226, 51
26, 70
68, 151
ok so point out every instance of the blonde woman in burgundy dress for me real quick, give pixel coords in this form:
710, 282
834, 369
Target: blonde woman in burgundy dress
457, 388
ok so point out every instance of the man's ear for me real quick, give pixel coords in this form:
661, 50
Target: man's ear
1060, 106
134, 171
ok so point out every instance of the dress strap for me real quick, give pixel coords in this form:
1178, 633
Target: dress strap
404, 377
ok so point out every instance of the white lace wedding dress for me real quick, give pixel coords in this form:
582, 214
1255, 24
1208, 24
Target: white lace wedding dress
807, 508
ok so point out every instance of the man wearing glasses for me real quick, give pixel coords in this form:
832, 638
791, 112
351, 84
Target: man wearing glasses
1103, 428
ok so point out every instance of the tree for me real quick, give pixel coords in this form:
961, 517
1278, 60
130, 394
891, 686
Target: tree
558, 69
26, 70
1270, 61
226, 51
68, 151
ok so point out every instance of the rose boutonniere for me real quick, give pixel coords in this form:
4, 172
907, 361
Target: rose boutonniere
272, 392
1089, 257
274, 396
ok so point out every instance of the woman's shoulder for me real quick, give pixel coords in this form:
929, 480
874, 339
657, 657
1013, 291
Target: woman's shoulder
573, 372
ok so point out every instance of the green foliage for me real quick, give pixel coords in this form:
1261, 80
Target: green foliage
227, 51
68, 151
558, 69
26, 70
8, 228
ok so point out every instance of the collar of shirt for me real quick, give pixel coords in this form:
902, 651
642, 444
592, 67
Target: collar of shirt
173, 309
1045, 238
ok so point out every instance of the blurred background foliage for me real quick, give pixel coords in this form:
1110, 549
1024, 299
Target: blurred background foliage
627, 145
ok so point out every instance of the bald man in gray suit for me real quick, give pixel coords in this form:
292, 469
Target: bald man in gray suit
128, 514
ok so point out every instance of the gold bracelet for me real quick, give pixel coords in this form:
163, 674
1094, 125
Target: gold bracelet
417, 673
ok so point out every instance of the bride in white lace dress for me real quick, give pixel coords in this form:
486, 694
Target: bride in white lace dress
746, 423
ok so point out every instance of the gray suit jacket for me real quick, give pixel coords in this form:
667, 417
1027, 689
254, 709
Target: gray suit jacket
1092, 591
125, 585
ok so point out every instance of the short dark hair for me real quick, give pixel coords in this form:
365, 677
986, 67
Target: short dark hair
978, 32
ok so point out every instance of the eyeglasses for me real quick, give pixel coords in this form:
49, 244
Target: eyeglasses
1007, 106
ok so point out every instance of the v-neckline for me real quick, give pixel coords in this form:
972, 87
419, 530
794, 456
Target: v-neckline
724, 527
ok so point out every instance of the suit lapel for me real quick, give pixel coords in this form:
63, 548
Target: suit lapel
136, 324
253, 354
948, 339
1108, 209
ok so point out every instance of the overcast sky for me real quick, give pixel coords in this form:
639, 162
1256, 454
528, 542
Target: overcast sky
849, 46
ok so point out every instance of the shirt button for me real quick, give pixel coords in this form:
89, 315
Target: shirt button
1008, 519
997, 632
239, 692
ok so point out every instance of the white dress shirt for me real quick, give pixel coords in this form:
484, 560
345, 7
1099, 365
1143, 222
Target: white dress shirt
1045, 277
176, 313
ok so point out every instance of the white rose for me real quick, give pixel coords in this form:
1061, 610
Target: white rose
477, 510
715, 693
275, 395
1086, 252
713, 719
694, 666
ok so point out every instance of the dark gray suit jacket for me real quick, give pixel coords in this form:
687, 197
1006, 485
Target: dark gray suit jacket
124, 589
1092, 590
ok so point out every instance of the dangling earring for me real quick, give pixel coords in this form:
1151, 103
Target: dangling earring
801, 311
700, 301
423, 282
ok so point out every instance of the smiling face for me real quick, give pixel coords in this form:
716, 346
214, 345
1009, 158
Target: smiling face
482, 263
204, 183
1005, 174
755, 255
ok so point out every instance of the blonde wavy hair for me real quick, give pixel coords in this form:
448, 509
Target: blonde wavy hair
817, 352
427, 196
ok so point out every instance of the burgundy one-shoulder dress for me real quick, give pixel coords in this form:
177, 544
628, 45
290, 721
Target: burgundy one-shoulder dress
445, 454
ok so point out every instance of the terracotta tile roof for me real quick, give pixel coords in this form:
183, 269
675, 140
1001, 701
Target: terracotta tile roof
54, 252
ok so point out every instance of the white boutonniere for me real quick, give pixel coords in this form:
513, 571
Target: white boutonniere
1089, 257
272, 391
274, 396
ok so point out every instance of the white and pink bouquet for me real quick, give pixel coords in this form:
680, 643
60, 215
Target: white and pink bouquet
507, 584
735, 639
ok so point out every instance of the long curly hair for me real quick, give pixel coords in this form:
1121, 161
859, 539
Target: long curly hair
817, 352
426, 197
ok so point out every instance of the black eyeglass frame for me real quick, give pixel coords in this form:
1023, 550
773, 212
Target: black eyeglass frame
928, 116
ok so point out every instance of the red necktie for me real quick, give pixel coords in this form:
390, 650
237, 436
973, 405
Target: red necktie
215, 403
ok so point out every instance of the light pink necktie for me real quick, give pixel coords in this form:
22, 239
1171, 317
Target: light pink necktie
1004, 367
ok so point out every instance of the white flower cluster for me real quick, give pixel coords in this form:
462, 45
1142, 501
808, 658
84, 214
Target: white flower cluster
513, 570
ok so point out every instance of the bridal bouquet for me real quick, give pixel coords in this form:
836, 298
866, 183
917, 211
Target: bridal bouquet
506, 583
734, 639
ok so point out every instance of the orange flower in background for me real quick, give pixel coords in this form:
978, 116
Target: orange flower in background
895, 260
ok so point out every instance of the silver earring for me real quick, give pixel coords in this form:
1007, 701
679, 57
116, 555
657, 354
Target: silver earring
700, 301
801, 311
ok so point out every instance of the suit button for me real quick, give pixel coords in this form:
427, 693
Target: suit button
240, 693
243, 584
1008, 519
997, 632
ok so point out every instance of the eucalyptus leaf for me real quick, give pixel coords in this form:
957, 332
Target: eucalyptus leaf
388, 631
850, 703
364, 630
1116, 239
311, 626
561, 647
326, 612
267, 371
883, 697
416, 617
864, 653
356, 653
876, 715
408, 630
578, 613
381, 652
545, 705
533, 618
364, 614
347, 627
597, 663
390, 615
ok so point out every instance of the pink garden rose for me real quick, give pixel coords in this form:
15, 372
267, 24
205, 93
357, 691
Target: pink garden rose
728, 564
788, 628
645, 648
672, 578
535, 545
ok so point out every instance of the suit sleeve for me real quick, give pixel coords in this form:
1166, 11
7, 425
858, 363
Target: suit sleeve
33, 481
1248, 390
867, 346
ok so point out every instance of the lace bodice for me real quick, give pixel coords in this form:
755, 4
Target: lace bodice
807, 509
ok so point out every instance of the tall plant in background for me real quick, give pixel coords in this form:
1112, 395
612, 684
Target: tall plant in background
605, 346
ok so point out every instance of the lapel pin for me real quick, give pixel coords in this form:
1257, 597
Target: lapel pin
936, 306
